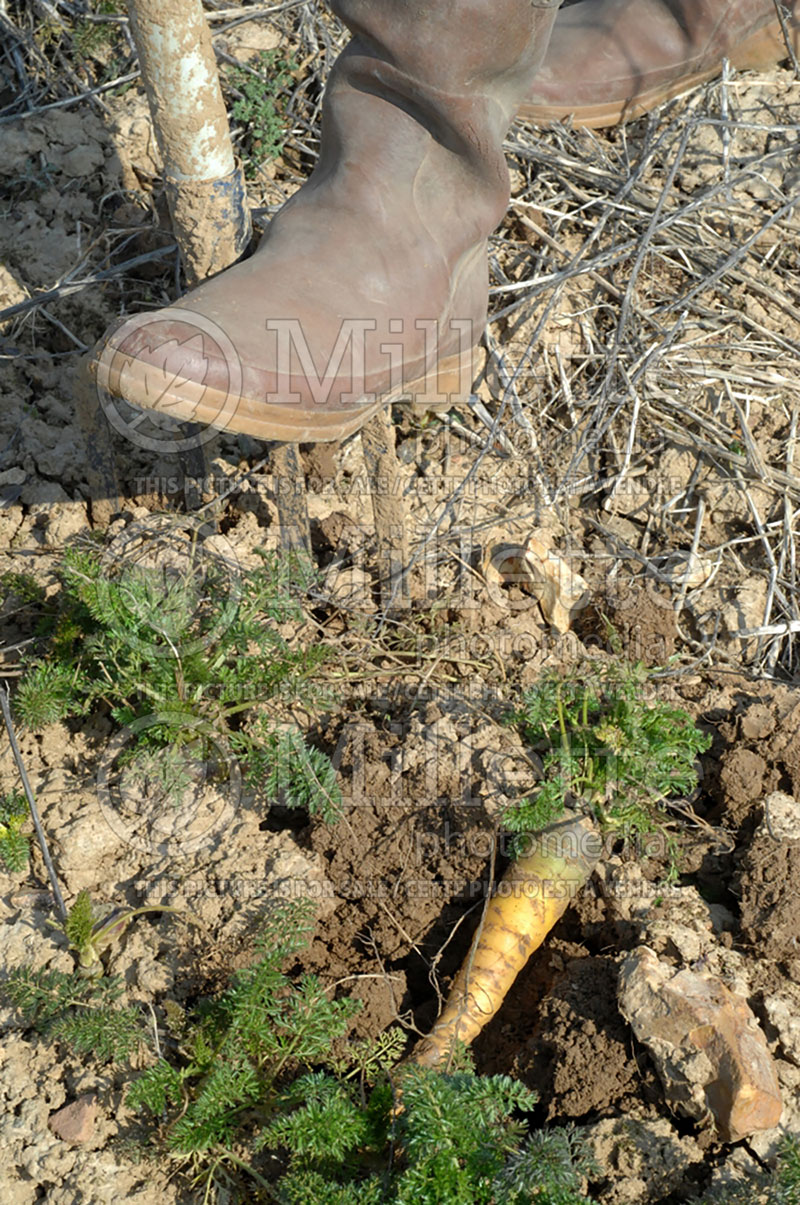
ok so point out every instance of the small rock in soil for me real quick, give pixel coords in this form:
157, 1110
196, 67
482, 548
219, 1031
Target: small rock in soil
75, 1122
711, 1055
781, 817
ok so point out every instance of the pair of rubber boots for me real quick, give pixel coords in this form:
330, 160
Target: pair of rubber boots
370, 285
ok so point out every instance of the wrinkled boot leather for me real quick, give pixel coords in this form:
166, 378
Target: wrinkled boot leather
610, 60
371, 283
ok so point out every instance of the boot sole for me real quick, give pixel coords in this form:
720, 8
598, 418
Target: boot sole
448, 384
763, 49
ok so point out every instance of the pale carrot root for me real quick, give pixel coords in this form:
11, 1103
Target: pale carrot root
530, 898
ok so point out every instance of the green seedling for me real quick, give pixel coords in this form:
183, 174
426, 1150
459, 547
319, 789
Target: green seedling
89, 934
82, 1013
605, 746
786, 1189
14, 844
92, 39
22, 586
259, 105
181, 658
30, 800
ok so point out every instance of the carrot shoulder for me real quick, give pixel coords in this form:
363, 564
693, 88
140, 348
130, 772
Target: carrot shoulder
529, 899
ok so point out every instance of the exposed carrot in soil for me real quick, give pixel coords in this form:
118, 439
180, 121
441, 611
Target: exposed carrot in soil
532, 895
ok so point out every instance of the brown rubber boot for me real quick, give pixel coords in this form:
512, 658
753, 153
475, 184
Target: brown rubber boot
371, 283
611, 60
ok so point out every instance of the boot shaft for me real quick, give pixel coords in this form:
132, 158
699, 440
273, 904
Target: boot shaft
481, 49
421, 99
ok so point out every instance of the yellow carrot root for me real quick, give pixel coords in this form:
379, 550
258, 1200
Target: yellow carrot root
529, 899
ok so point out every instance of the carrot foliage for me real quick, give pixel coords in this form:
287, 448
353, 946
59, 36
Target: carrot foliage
261, 1091
257, 1094
603, 742
185, 651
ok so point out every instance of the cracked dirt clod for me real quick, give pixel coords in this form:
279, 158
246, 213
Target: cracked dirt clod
783, 1010
711, 1055
647, 1155
767, 874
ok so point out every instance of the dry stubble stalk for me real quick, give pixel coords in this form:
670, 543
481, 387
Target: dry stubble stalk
205, 186
530, 898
